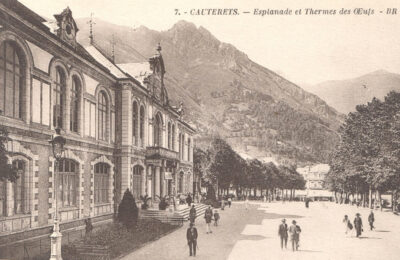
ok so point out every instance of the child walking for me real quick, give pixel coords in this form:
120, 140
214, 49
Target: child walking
216, 218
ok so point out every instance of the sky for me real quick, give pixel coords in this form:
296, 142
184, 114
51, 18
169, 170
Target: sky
306, 49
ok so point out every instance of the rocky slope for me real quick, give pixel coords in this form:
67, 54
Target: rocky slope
344, 95
260, 113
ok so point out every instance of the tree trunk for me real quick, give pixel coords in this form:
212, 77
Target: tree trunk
394, 199
370, 197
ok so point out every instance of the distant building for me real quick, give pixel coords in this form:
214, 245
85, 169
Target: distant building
122, 133
315, 180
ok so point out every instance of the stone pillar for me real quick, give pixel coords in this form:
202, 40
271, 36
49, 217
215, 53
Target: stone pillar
157, 181
163, 182
149, 182
125, 175
126, 115
143, 184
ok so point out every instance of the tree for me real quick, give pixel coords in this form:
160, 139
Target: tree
7, 171
127, 210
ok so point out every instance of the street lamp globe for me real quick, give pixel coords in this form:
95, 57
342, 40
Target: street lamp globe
57, 142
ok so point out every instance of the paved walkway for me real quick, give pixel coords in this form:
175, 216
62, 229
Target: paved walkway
252, 234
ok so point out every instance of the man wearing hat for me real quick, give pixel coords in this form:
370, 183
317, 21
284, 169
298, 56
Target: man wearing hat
283, 233
294, 231
358, 224
191, 236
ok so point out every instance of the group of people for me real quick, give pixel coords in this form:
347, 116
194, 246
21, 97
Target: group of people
191, 233
294, 231
358, 225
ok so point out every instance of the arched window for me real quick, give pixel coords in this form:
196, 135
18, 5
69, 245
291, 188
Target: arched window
158, 130
58, 98
141, 128
75, 104
188, 149
137, 181
173, 137
169, 135
12, 78
135, 117
101, 183
180, 146
102, 116
68, 182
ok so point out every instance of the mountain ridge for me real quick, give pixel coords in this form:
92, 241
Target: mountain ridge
258, 112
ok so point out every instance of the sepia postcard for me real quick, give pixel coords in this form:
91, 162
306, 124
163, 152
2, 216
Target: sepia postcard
212, 129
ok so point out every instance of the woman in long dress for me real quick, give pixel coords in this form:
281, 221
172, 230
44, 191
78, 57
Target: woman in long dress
346, 222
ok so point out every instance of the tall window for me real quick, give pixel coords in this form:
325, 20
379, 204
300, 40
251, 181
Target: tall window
158, 130
58, 98
135, 117
137, 181
102, 116
12, 73
141, 128
18, 187
188, 149
173, 137
101, 183
18, 202
75, 104
3, 198
180, 183
68, 178
169, 135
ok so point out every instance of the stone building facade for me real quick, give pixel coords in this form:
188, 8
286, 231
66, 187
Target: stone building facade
121, 131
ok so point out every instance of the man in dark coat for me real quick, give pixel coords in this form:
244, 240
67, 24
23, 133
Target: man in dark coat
208, 216
358, 224
371, 219
189, 200
191, 236
192, 214
283, 233
295, 231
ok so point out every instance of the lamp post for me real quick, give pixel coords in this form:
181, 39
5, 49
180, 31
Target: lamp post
57, 144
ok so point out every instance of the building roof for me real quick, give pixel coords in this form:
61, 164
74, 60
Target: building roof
139, 70
103, 60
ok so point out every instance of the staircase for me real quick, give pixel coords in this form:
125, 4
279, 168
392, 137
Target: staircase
174, 218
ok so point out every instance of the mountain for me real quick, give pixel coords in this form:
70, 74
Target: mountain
344, 95
258, 112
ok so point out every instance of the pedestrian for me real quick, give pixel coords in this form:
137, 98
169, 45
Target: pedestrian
371, 219
283, 233
216, 217
347, 225
307, 202
223, 203
246, 203
192, 214
191, 236
229, 201
208, 216
294, 231
358, 225
189, 200
88, 228
265, 199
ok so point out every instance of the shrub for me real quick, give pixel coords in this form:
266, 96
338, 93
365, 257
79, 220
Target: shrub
213, 203
163, 203
145, 200
127, 210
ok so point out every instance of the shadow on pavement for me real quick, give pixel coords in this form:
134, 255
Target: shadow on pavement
252, 237
382, 231
274, 216
309, 251
370, 238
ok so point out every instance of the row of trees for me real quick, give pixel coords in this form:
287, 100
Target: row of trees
366, 161
222, 168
